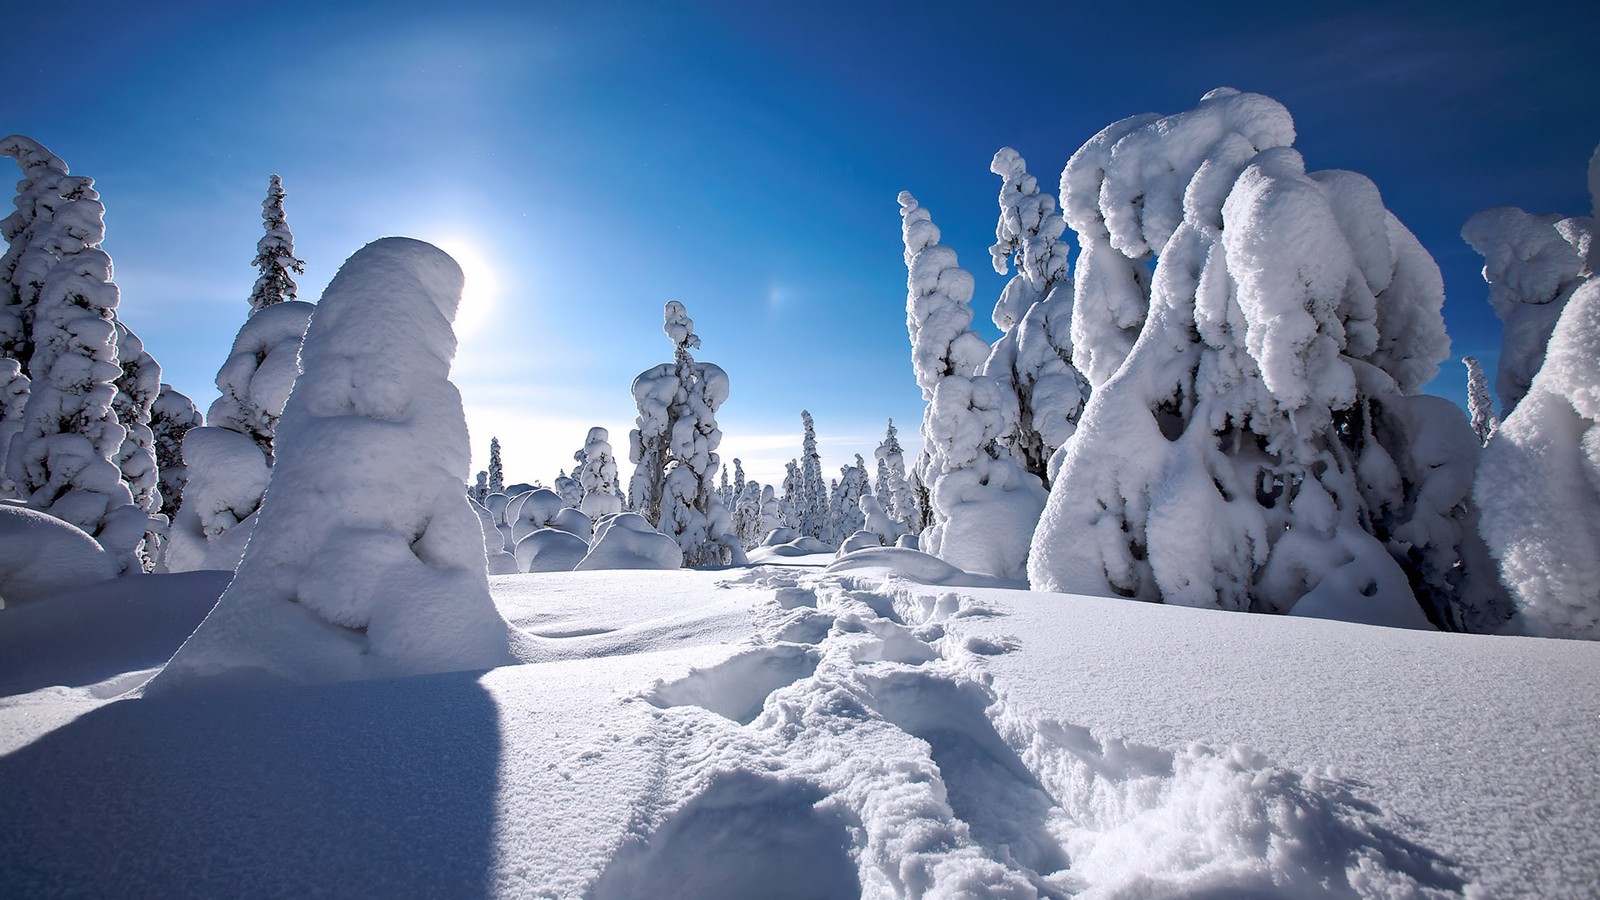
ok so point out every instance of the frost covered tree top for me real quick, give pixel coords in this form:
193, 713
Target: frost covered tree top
275, 254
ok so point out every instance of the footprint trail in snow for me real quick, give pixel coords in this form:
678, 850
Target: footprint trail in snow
860, 747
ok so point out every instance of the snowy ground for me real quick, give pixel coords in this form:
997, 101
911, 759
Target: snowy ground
780, 731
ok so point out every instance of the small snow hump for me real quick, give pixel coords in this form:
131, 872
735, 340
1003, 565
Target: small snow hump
366, 560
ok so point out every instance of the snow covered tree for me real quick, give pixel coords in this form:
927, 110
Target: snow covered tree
1480, 406
1262, 444
59, 309
13, 398
570, 490
1538, 486
893, 490
1533, 265
171, 417
983, 504
771, 513
789, 505
229, 460
137, 389
811, 504
599, 476
367, 560
747, 515
844, 506
1033, 358
497, 472
674, 449
274, 254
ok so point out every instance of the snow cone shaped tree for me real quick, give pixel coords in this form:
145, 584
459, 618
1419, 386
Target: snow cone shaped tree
172, 416
1539, 484
674, 449
811, 503
983, 504
1261, 445
367, 559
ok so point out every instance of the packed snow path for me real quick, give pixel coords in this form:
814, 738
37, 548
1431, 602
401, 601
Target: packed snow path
783, 732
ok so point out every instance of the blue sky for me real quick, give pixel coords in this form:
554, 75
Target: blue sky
589, 161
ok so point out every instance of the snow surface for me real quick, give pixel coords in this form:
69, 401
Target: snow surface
783, 732
40, 555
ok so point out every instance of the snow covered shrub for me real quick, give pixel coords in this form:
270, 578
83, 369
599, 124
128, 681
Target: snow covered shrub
1033, 358
226, 480
367, 560
844, 506
674, 449
599, 476
274, 254
497, 559
1255, 439
982, 504
59, 310
550, 550
1533, 265
1539, 484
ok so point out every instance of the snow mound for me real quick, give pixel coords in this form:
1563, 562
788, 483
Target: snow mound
550, 550
41, 556
626, 541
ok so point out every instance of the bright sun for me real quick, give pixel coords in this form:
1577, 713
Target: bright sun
481, 291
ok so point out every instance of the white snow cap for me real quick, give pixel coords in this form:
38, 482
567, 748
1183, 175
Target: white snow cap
367, 559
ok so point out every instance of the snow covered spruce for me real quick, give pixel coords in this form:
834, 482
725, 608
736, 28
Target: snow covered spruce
1539, 484
367, 559
1255, 438
674, 449
79, 445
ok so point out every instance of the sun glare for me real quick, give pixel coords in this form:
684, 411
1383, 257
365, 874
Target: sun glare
479, 294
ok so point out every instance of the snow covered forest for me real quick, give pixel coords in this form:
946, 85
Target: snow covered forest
1184, 588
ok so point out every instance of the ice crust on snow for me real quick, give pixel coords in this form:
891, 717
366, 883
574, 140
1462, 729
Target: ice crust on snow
367, 559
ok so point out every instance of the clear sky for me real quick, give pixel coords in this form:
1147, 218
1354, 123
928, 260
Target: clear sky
588, 161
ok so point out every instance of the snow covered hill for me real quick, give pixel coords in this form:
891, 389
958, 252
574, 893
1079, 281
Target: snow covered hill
782, 731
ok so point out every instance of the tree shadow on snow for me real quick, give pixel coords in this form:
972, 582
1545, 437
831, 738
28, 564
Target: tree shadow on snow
376, 788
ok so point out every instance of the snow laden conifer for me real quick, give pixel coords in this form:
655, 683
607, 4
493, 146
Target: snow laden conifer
497, 472
1261, 443
674, 449
811, 507
1533, 264
172, 416
230, 459
275, 254
1539, 484
893, 490
59, 309
137, 389
1033, 358
367, 561
982, 504
789, 504
844, 506
13, 399
599, 476
1480, 406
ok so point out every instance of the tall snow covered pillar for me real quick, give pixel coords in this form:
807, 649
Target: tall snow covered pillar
366, 560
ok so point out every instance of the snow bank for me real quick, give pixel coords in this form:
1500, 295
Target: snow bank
367, 559
40, 556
